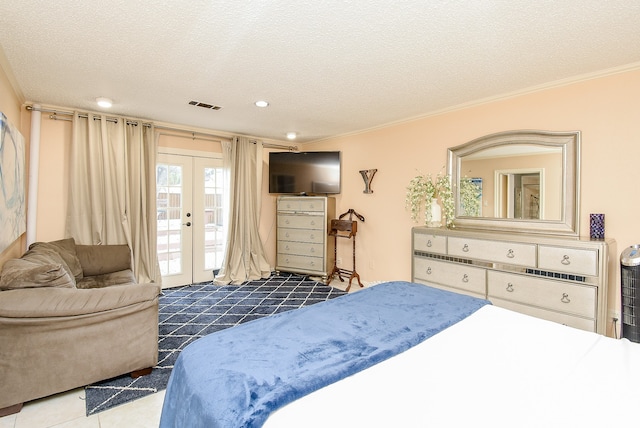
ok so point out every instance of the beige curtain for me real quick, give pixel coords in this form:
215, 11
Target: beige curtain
112, 193
244, 255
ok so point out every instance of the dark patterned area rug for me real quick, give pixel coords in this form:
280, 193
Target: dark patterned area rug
190, 312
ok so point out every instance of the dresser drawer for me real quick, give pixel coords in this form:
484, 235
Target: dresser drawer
305, 248
301, 235
314, 222
430, 243
301, 204
302, 263
568, 260
452, 289
493, 251
312, 204
285, 204
574, 321
545, 293
451, 274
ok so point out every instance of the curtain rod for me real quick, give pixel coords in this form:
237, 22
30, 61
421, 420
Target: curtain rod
280, 146
55, 116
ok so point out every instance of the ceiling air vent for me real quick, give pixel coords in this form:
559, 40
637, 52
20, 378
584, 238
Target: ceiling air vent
204, 105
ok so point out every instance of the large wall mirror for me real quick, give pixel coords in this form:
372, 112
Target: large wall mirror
519, 181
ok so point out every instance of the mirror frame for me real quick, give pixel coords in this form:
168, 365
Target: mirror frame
570, 217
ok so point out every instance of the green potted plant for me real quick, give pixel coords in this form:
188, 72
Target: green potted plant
423, 194
470, 197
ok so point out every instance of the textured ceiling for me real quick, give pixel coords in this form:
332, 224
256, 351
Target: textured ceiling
326, 67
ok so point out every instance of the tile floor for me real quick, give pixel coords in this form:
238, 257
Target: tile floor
68, 410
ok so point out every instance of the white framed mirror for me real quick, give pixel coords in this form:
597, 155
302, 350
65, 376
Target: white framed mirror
519, 181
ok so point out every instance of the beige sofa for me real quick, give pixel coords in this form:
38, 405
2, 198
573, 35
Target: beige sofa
71, 315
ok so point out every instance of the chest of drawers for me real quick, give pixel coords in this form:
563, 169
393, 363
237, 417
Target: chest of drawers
302, 244
561, 279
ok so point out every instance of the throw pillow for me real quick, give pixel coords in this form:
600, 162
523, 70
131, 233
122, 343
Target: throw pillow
67, 250
30, 273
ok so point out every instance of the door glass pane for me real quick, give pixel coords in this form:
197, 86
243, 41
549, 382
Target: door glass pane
169, 217
213, 242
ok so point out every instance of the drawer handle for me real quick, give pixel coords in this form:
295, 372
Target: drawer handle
313, 223
286, 247
313, 250
312, 236
286, 222
565, 260
429, 243
510, 254
465, 248
465, 278
565, 298
429, 271
286, 234
510, 287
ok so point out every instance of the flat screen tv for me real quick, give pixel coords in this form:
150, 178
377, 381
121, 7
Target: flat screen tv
304, 173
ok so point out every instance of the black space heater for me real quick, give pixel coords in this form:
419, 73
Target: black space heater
630, 278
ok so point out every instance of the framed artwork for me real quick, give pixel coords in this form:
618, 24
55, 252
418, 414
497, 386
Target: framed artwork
13, 218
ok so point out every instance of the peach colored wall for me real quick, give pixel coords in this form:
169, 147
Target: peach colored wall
605, 110
53, 181
10, 105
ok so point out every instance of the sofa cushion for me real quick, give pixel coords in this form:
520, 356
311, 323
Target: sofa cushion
67, 250
123, 277
101, 259
36, 269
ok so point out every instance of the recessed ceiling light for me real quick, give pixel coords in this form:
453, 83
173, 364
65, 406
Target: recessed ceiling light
291, 135
104, 102
262, 103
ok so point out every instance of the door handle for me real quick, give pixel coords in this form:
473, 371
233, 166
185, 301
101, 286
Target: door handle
187, 224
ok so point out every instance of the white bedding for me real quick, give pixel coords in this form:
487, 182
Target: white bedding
496, 368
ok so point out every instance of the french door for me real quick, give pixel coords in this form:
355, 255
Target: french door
190, 218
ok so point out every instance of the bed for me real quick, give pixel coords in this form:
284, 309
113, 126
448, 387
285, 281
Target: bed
403, 354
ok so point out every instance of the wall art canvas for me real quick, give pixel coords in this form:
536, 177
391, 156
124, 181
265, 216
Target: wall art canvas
13, 218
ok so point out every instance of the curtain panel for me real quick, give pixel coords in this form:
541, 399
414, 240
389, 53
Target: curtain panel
112, 188
244, 258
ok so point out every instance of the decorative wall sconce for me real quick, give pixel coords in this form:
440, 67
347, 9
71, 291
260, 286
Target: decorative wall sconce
367, 176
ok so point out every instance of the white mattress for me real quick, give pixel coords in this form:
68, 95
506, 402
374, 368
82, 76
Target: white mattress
496, 368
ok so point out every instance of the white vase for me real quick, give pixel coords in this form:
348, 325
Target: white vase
436, 214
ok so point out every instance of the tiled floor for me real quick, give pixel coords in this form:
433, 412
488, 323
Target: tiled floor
67, 410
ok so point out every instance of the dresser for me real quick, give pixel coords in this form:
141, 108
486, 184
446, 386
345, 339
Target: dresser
302, 244
561, 279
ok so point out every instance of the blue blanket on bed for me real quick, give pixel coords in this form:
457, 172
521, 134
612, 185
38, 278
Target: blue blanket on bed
238, 376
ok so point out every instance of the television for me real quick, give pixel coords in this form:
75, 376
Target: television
304, 173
